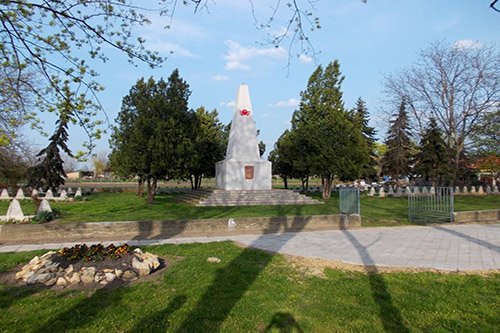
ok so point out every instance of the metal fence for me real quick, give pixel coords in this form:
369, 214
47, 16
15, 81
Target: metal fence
349, 200
434, 205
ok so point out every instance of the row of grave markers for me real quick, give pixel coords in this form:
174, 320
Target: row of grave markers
15, 212
400, 191
431, 190
48, 195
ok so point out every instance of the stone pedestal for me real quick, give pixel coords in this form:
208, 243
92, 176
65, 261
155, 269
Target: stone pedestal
243, 168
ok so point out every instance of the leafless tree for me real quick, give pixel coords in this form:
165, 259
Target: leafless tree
454, 84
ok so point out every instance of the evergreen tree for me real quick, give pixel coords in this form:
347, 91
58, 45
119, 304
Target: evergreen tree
208, 146
49, 172
154, 142
397, 158
434, 159
282, 157
328, 133
368, 138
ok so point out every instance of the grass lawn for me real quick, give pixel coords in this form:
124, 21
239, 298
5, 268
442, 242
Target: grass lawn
255, 291
128, 207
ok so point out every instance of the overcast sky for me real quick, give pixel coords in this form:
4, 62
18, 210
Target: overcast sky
217, 50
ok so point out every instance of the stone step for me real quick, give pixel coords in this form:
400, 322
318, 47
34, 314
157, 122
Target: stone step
214, 197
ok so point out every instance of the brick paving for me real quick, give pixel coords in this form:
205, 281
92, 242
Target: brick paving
444, 247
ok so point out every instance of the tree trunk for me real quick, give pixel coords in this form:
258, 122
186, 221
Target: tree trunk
151, 190
327, 182
140, 187
305, 185
285, 182
199, 181
192, 183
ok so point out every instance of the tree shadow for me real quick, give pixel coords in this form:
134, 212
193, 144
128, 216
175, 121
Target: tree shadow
159, 322
283, 322
228, 287
389, 314
471, 239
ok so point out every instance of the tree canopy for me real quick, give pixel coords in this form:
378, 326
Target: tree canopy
151, 139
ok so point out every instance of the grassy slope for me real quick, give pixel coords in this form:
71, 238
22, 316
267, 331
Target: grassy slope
128, 207
251, 290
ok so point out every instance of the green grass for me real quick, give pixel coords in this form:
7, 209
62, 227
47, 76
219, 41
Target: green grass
129, 207
251, 291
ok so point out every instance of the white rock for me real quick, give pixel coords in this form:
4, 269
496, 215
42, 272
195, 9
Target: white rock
75, 278
51, 281
48, 254
118, 272
214, 259
34, 261
88, 274
110, 277
129, 275
61, 282
142, 267
20, 274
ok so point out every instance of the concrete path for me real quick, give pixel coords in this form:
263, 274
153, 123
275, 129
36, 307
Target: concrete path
445, 247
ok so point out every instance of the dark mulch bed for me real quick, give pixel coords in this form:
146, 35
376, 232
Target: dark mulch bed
123, 263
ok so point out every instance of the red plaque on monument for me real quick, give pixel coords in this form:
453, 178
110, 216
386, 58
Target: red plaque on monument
248, 172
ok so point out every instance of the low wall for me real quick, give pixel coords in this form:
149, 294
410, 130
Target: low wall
477, 216
141, 230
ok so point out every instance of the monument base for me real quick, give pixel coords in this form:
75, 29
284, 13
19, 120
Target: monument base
237, 175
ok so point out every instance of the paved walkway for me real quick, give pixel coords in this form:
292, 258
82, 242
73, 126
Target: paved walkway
446, 247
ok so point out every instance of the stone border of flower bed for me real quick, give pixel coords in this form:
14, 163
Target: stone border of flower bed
44, 271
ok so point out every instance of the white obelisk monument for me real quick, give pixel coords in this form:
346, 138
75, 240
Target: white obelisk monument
243, 168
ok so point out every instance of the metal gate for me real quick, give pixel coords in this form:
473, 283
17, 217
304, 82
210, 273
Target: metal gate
349, 200
435, 205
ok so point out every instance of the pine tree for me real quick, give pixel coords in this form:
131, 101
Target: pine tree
368, 137
326, 131
434, 159
49, 172
397, 158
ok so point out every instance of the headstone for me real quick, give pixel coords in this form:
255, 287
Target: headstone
424, 190
34, 193
69, 191
78, 193
44, 207
465, 190
40, 190
472, 190
49, 194
5, 194
79, 189
390, 191
457, 190
381, 193
407, 190
432, 190
63, 195
416, 190
480, 190
399, 192
372, 191
243, 168
495, 189
14, 212
20, 194
488, 189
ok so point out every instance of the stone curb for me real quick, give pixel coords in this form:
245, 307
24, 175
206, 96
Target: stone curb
11, 234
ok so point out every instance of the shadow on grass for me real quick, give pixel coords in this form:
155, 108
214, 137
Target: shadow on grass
159, 321
283, 322
228, 287
389, 314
